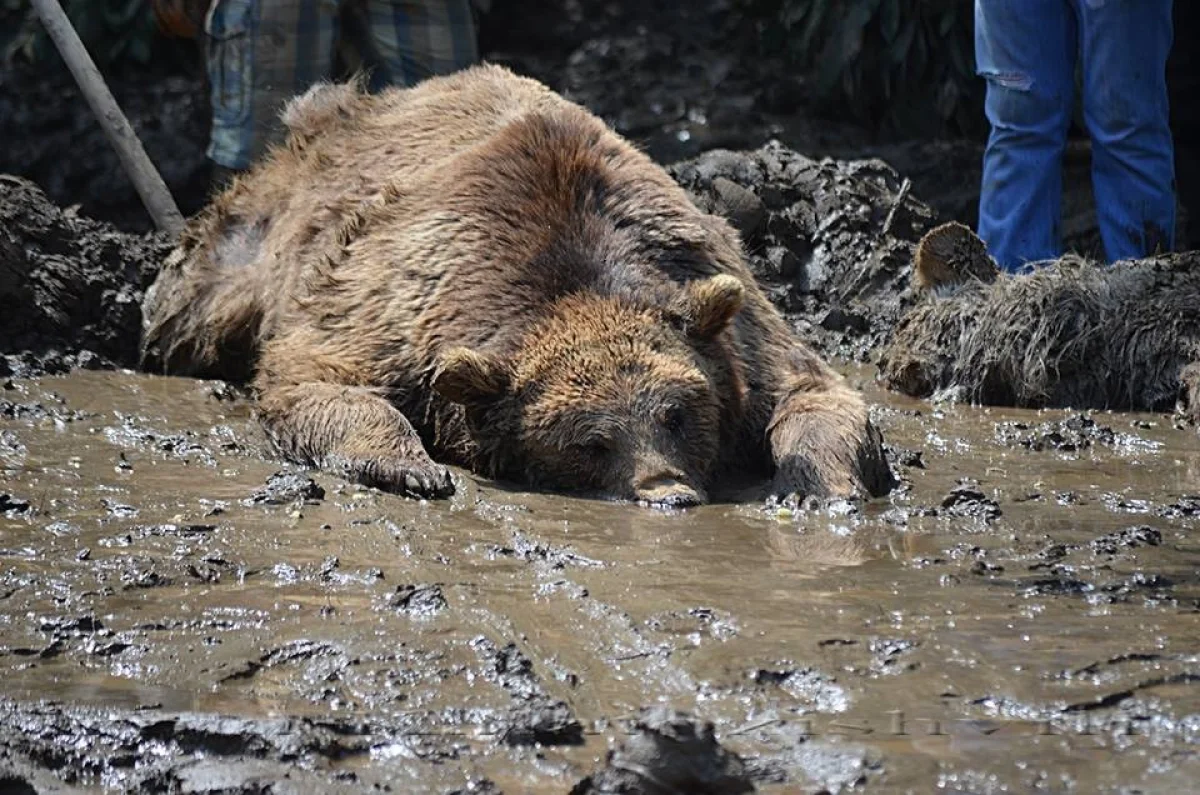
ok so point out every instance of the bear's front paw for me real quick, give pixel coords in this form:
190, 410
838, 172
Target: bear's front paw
798, 485
408, 476
818, 465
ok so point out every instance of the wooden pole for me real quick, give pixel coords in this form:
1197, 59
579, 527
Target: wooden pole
149, 183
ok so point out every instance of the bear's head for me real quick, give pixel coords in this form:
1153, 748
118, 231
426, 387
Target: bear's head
604, 397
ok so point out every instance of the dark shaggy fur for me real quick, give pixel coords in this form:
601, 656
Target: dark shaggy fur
1071, 334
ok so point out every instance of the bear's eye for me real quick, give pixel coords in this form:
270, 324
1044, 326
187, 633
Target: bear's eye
596, 447
673, 419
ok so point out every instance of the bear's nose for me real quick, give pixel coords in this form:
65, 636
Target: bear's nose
667, 491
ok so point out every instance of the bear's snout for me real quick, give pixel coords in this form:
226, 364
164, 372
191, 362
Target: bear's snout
667, 491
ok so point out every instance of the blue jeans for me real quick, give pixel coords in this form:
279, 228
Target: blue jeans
1027, 52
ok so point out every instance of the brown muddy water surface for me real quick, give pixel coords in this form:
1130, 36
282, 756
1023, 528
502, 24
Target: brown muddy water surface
1024, 615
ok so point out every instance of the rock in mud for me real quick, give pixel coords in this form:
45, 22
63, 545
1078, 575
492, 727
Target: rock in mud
70, 287
668, 753
1078, 432
831, 241
418, 600
286, 487
542, 722
1071, 334
11, 504
966, 499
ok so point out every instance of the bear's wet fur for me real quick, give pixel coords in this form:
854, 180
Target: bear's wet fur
1070, 334
478, 272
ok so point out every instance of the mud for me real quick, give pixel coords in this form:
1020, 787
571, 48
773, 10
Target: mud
832, 241
70, 287
179, 612
51, 137
668, 753
677, 79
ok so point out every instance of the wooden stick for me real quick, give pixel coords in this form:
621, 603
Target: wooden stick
146, 179
905, 187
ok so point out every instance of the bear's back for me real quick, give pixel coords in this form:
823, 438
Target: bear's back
346, 140
459, 210
489, 187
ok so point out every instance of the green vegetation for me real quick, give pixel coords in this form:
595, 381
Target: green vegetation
112, 30
904, 67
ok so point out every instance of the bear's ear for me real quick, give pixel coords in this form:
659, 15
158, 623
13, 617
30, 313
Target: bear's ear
709, 304
470, 377
950, 255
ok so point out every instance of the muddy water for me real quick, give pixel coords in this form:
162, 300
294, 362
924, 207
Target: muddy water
1023, 615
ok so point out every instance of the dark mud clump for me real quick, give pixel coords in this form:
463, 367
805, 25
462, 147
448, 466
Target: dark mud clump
967, 499
51, 136
534, 717
418, 600
831, 241
70, 287
668, 753
154, 751
286, 487
1072, 434
11, 504
1072, 334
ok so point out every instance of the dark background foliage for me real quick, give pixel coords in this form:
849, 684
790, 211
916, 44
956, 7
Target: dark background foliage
113, 30
902, 68
892, 79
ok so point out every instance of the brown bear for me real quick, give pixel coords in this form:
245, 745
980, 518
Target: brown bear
1071, 334
477, 270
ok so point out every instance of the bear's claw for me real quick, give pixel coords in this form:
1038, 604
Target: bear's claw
421, 479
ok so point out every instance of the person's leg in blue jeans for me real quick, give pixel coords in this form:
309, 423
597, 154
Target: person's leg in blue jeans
1125, 44
1026, 50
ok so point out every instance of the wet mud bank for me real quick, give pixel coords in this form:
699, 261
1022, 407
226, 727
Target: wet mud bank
831, 240
70, 287
180, 612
